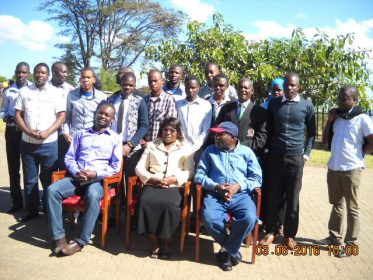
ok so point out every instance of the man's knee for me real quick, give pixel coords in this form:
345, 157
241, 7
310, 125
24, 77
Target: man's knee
94, 193
249, 218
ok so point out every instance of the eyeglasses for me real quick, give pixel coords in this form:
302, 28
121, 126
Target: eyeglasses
166, 129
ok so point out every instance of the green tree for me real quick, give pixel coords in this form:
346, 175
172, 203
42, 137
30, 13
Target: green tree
116, 32
324, 64
108, 80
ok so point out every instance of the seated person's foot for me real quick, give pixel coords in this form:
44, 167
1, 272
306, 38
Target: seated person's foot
71, 248
14, 208
154, 253
236, 259
268, 239
290, 243
328, 241
60, 243
29, 216
166, 250
224, 260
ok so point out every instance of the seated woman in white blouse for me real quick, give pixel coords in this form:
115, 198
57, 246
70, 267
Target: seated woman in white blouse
166, 164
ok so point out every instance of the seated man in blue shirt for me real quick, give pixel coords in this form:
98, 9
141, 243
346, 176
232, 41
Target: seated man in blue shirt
94, 153
229, 172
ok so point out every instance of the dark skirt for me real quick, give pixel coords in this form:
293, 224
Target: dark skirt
159, 211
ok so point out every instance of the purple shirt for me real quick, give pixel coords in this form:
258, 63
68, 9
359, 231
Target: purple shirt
91, 150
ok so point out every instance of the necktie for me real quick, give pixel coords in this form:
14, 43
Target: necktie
120, 117
241, 110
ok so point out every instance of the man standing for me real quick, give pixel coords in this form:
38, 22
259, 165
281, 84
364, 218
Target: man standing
174, 86
95, 153
251, 119
211, 70
82, 104
40, 113
229, 172
160, 104
194, 125
219, 98
350, 132
131, 122
13, 134
289, 117
59, 80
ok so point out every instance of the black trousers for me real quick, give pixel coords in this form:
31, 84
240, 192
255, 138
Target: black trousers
129, 165
13, 138
63, 147
284, 182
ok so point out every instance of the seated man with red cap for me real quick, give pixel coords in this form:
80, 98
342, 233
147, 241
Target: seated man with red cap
229, 172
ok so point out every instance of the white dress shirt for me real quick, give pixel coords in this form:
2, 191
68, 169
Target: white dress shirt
195, 118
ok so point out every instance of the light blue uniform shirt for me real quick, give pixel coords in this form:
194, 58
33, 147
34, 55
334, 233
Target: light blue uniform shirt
237, 166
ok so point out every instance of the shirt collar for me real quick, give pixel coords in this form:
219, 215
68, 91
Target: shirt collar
295, 99
245, 104
225, 100
107, 131
161, 96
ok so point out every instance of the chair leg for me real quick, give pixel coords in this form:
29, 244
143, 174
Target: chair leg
248, 240
128, 229
197, 237
104, 227
183, 235
255, 241
117, 216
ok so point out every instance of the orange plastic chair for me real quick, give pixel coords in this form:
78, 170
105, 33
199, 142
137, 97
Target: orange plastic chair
254, 233
111, 197
133, 183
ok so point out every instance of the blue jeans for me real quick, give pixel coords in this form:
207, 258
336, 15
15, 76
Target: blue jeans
215, 216
33, 157
64, 188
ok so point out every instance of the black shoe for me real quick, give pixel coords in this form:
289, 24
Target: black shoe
342, 254
237, 259
14, 208
29, 216
224, 260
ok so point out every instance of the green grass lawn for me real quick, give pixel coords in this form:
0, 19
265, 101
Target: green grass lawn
321, 157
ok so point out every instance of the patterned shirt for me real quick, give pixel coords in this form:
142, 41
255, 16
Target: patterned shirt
159, 108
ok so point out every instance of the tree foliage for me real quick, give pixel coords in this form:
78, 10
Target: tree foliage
324, 64
116, 32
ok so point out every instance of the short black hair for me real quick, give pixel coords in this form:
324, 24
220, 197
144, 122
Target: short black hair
192, 78
221, 76
42, 64
21, 64
127, 75
352, 89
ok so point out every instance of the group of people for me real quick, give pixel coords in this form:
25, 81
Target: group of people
213, 135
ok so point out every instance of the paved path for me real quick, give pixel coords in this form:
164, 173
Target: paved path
25, 248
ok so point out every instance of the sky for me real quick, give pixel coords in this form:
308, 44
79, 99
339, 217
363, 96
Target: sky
26, 35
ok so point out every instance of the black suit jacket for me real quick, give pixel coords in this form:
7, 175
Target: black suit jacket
252, 130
